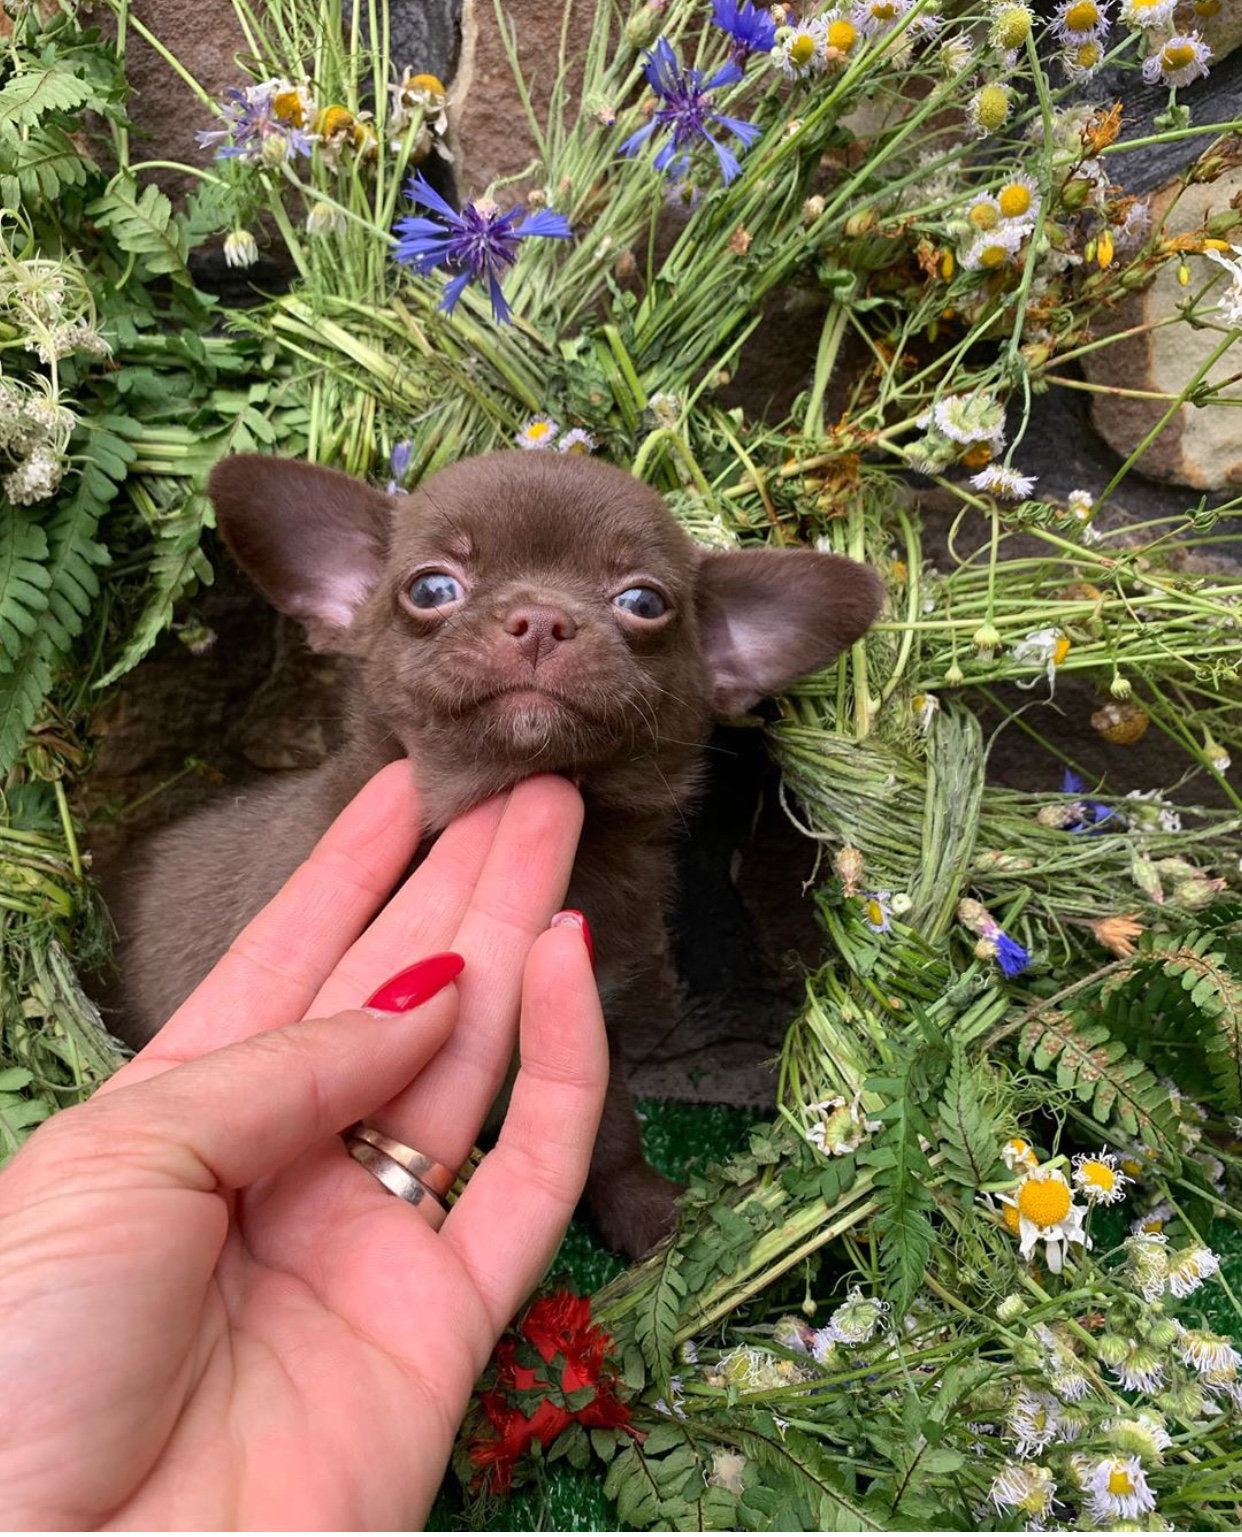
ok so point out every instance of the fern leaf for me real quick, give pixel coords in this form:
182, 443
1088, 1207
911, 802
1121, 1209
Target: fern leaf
656, 1325
969, 1138
1117, 1086
1216, 994
24, 581
176, 565
34, 92
39, 168
796, 1459
144, 226
902, 1178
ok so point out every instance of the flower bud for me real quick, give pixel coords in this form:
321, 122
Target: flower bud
986, 638
1120, 688
1010, 1308
1112, 1349
644, 26
1162, 1333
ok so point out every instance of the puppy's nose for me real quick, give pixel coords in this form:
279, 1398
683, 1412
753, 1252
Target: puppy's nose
539, 630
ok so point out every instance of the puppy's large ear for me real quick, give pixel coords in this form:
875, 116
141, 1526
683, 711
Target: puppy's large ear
313, 539
769, 617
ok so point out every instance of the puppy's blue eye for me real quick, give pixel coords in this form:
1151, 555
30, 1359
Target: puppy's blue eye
435, 589
642, 602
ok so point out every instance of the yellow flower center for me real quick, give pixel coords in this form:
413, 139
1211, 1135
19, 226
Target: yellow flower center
538, 430
1177, 55
1088, 55
335, 119
287, 106
883, 10
1014, 200
1083, 16
984, 216
802, 49
1120, 1482
1153, 1225
993, 256
1044, 1202
1098, 1174
992, 106
874, 911
1061, 650
1011, 1218
429, 83
1012, 26
842, 35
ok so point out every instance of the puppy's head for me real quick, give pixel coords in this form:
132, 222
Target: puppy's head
527, 612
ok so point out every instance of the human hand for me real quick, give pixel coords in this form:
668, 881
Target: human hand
213, 1316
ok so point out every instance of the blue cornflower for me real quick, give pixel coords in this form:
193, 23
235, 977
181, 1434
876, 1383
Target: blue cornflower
1011, 957
478, 243
687, 115
1090, 816
750, 30
264, 122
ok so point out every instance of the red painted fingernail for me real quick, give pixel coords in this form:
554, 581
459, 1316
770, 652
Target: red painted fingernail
571, 918
415, 984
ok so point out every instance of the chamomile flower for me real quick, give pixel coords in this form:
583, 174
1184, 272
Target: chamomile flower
1099, 1178
1004, 482
997, 248
1190, 1267
872, 16
1018, 198
984, 212
1119, 1490
1208, 1354
1018, 1153
842, 1126
1183, 59
988, 109
1147, 13
576, 441
1082, 61
241, 249
1047, 1215
539, 432
1045, 649
841, 37
1153, 1221
1080, 21
802, 51
1011, 26
877, 911
1024, 1486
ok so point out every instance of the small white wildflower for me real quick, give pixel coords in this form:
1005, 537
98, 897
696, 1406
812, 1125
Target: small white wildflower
1142, 1371
802, 51
1208, 1353
956, 56
1018, 199
1045, 649
35, 478
1033, 1420
1018, 1153
874, 16
1026, 1487
1004, 482
1099, 1178
977, 418
1119, 1490
1190, 1267
842, 1128
988, 109
1148, 1258
1147, 13
324, 219
1047, 1215
997, 248
1183, 59
241, 249
857, 1319
576, 441
1080, 21
1229, 304
1143, 1435
540, 432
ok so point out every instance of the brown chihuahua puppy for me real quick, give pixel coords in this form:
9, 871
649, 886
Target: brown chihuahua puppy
516, 614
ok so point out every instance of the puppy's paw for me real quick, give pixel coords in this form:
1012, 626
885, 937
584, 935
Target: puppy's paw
634, 1208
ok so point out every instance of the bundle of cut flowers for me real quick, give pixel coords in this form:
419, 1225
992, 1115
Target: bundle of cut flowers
970, 1276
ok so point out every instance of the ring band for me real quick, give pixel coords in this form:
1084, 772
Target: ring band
437, 1177
393, 1176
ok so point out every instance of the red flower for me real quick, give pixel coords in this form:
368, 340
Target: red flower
559, 1325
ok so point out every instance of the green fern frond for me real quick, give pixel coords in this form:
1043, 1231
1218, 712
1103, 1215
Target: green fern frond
969, 1137
144, 226
28, 96
24, 581
1214, 994
1118, 1088
902, 1179
655, 1327
39, 168
796, 1460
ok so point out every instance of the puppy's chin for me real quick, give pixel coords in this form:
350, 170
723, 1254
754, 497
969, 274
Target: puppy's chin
531, 725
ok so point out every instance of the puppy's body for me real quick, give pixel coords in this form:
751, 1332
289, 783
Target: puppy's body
518, 614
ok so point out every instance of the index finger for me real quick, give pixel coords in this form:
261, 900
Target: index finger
276, 965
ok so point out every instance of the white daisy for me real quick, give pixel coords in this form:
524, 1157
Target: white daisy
995, 248
1047, 1215
1183, 59
576, 441
539, 432
1119, 1490
1147, 13
1033, 1420
1189, 1268
1024, 1486
1229, 304
1209, 1353
802, 51
1002, 481
1080, 21
1142, 1371
1099, 1178
857, 1319
1082, 61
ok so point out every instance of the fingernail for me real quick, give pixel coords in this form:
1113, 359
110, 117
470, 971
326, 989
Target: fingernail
571, 918
415, 984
